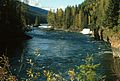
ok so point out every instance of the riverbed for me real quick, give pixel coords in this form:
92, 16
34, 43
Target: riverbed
59, 51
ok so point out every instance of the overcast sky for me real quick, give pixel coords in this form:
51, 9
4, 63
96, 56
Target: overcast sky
54, 4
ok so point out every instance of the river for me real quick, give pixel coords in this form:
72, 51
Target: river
59, 51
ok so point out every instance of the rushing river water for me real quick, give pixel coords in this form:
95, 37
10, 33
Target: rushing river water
60, 51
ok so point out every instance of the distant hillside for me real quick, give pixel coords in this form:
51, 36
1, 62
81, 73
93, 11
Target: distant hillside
35, 11
38, 10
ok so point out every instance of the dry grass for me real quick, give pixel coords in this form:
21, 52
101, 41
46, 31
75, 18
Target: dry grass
5, 73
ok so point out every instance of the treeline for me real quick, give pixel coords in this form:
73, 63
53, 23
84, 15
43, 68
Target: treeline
94, 14
71, 18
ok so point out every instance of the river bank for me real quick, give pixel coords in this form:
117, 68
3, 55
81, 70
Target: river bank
113, 37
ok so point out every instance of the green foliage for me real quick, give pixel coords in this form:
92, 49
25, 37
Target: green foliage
59, 18
112, 13
87, 71
51, 18
68, 19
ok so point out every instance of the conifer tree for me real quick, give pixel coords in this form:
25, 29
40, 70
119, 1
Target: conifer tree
37, 21
112, 13
51, 18
68, 17
59, 17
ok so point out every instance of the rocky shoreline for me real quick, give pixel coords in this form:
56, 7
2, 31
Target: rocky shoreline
114, 39
115, 45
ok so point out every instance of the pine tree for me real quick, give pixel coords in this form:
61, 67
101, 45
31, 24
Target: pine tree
37, 21
112, 13
59, 17
68, 17
51, 18
73, 12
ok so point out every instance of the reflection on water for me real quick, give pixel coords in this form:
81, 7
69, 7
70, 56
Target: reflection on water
59, 51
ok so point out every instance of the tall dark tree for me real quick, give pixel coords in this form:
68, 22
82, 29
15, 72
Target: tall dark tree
68, 17
112, 13
12, 21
